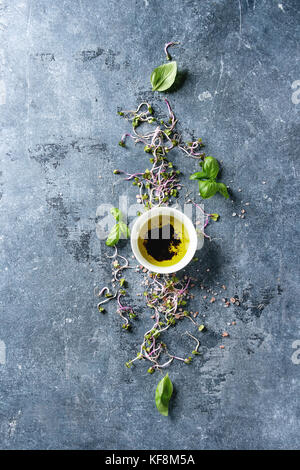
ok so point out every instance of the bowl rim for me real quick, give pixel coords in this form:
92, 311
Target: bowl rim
139, 223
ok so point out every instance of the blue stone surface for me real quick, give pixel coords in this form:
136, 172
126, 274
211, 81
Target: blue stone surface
65, 69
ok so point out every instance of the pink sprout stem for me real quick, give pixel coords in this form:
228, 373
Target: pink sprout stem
169, 44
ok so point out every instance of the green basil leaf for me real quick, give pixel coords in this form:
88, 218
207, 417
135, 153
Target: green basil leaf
210, 167
163, 394
163, 409
222, 188
116, 213
114, 236
199, 175
163, 76
124, 229
208, 188
207, 180
210, 170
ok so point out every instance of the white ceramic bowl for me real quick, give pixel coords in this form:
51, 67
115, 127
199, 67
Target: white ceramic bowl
165, 211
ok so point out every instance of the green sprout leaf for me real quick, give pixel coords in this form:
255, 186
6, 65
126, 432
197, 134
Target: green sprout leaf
163, 77
214, 217
163, 394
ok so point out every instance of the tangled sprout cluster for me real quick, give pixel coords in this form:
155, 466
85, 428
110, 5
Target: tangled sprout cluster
166, 295
159, 183
117, 290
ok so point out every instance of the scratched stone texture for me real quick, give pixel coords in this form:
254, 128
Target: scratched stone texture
65, 69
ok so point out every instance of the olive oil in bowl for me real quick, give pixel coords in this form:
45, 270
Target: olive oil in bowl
163, 240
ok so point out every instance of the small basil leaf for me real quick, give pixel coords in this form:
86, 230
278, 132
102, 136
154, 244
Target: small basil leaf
197, 176
124, 229
114, 236
222, 188
163, 394
163, 76
163, 409
207, 188
210, 170
210, 167
116, 213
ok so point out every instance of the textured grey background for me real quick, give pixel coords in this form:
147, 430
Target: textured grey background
65, 67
